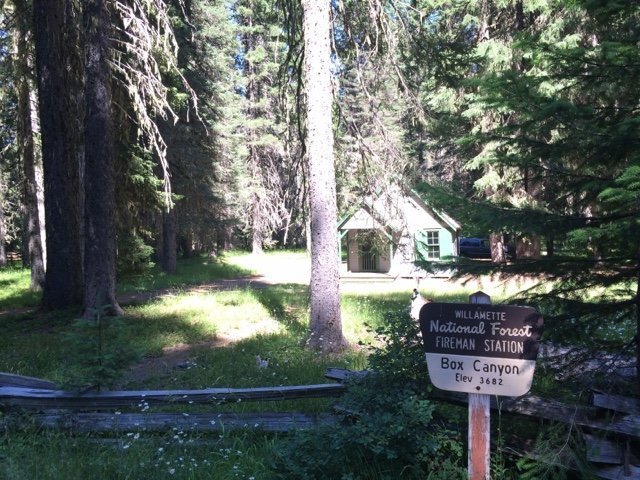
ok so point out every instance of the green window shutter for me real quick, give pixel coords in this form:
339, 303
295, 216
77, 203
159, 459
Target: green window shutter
427, 244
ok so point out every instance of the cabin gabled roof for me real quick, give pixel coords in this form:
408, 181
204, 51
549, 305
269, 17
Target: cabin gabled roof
389, 209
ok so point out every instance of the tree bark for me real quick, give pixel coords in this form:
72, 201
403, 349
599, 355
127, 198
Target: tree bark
55, 34
99, 198
258, 222
550, 246
528, 247
325, 324
27, 129
257, 226
498, 252
186, 244
3, 252
637, 304
169, 245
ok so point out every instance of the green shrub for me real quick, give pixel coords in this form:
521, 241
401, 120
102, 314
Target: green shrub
387, 429
98, 352
134, 256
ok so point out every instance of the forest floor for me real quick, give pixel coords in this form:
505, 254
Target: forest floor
269, 271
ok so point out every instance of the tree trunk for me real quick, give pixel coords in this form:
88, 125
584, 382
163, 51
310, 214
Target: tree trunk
159, 237
55, 34
528, 247
3, 252
257, 226
169, 250
99, 198
27, 129
550, 246
637, 304
186, 244
498, 251
258, 222
325, 325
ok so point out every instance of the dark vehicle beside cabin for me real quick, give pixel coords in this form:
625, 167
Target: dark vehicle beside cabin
474, 248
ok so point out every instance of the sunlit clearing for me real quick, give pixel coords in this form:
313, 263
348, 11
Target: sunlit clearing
234, 315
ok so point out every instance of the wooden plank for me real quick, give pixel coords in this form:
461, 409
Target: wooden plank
162, 422
538, 407
534, 406
601, 450
48, 399
618, 472
479, 437
342, 374
12, 380
616, 403
13, 257
526, 405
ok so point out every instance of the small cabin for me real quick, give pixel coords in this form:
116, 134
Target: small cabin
388, 232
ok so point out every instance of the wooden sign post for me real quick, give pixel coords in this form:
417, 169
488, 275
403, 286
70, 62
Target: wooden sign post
479, 435
481, 349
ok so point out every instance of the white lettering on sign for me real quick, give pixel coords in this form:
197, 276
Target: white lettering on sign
482, 348
456, 343
480, 315
524, 331
508, 346
451, 327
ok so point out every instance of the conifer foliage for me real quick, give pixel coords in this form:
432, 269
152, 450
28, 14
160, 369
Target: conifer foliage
554, 133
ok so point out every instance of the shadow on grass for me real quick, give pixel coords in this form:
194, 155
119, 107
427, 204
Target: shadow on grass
288, 304
190, 271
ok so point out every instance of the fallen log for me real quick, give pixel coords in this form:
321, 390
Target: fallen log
534, 406
42, 399
616, 403
12, 380
164, 422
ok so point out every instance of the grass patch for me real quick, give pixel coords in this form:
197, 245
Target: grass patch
195, 317
190, 271
269, 322
33, 344
16, 294
176, 455
271, 260
14, 289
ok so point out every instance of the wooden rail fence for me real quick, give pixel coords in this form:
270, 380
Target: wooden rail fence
611, 423
13, 258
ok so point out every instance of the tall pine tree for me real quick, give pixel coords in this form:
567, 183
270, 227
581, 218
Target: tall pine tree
560, 160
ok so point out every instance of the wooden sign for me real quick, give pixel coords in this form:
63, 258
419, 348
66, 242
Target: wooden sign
481, 348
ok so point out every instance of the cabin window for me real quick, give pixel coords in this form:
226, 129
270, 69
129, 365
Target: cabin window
428, 244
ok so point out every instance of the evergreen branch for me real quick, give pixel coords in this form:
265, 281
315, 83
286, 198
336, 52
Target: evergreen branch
145, 44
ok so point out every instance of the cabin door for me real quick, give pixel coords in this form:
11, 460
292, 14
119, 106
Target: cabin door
368, 262
368, 255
